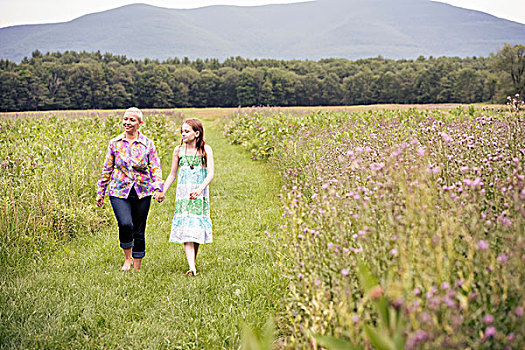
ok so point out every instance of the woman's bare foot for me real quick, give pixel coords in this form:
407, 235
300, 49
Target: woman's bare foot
127, 264
137, 264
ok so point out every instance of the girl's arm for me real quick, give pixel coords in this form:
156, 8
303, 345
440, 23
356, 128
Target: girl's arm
209, 176
174, 168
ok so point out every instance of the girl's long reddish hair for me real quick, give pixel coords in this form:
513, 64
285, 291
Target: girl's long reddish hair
196, 125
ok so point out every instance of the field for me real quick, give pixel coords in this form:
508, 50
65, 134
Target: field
399, 229
371, 226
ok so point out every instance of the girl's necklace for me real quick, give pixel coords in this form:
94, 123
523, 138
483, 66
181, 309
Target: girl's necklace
186, 152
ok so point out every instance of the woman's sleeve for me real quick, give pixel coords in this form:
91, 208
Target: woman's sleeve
107, 170
155, 169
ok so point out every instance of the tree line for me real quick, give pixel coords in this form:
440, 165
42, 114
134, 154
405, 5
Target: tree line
83, 80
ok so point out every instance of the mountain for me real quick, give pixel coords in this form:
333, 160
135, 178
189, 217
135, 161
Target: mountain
309, 30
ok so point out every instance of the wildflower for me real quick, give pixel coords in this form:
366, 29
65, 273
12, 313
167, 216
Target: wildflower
434, 169
300, 276
345, 272
420, 335
490, 332
397, 303
417, 291
355, 319
425, 317
445, 285
488, 319
483, 245
393, 252
505, 221
502, 258
376, 293
511, 336
446, 137
449, 302
377, 166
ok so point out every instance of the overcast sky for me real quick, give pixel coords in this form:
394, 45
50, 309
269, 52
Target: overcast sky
14, 12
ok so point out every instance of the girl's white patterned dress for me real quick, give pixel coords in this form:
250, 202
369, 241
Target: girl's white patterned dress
191, 222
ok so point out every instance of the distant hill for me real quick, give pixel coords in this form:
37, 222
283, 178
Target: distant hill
310, 30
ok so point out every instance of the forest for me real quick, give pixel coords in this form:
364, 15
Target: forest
84, 80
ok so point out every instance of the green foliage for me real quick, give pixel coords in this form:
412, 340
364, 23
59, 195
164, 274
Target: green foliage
252, 340
72, 80
511, 61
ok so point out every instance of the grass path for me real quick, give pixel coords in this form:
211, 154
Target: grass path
77, 297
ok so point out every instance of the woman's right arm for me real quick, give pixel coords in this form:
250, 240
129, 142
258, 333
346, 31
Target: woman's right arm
107, 170
174, 168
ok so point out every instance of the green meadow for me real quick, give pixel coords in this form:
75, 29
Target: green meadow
61, 286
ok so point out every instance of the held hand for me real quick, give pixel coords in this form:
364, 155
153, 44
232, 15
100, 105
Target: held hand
158, 196
100, 202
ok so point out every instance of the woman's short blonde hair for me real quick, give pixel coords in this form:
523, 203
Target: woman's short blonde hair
135, 111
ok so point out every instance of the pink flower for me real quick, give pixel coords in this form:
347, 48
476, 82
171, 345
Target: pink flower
502, 258
488, 319
377, 166
345, 272
490, 331
483, 245
446, 137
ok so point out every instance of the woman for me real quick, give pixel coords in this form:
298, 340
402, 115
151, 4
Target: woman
131, 174
193, 160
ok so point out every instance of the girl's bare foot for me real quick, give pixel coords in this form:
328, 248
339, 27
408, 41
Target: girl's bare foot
191, 273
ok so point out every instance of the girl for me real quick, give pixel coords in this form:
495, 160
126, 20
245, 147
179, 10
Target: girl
193, 160
131, 174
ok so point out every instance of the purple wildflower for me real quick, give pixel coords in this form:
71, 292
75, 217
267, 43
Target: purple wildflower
490, 331
483, 245
502, 258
